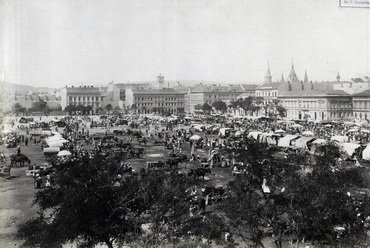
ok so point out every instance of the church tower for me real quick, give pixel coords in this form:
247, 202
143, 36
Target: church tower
305, 80
292, 75
268, 78
338, 77
282, 78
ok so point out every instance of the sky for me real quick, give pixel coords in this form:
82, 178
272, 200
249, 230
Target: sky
69, 42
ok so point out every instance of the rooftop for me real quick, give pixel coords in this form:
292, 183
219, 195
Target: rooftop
157, 92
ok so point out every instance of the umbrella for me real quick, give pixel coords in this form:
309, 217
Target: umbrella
365, 130
297, 125
195, 137
308, 133
64, 153
280, 131
328, 125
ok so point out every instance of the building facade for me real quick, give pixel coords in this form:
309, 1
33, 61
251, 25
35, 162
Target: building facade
202, 94
361, 105
161, 101
82, 95
333, 105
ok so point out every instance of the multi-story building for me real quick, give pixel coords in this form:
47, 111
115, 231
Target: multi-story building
334, 105
84, 95
186, 90
161, 101
361, 105
202, 94
122, 87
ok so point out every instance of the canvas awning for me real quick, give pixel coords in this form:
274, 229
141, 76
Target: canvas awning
285, 141
341, 139
319, 141
302, 142
254, 135
350, 148
366, 153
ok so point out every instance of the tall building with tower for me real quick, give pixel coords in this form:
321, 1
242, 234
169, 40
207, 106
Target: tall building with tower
160, 81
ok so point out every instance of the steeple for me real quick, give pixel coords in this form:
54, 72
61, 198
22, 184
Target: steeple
305, 80
282, 77
338, 77
292, 76
268, 78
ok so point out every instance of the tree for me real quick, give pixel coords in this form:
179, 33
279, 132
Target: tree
90, 203
281, 110
198, 107
304, 204
220, 106
39, 106
18, 108
88, 109
70, 109
117, 110
80, 108
108, 107
207, 108
99, 110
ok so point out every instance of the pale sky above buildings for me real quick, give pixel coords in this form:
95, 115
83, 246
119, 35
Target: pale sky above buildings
65, 42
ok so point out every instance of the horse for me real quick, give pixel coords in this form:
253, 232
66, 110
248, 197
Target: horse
199, 172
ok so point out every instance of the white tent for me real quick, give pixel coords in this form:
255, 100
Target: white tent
308, 133
64, 153
350, 148
302, 142
366, 153
319, 142
341, 139
296, 125
254, 134
195, 137
286, 141
280, 131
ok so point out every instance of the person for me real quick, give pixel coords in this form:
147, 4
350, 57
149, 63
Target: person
19, 149
26, 141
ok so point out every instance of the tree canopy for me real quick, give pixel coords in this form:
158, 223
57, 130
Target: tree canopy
280, 197
90, 202
220, 106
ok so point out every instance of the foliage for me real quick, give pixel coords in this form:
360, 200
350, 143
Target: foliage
88, 109
281, 110
18, 108
108, 107
198, 107
303, 204
70, 109
99, 110
220, 106
207, 108
39, 106
89, 203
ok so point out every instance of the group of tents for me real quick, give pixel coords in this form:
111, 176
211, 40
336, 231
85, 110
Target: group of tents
309, 143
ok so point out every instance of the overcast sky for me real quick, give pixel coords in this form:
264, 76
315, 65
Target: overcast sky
61, 42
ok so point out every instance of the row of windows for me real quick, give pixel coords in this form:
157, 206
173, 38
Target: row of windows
163, 104
156, 98
75, 98
266, 93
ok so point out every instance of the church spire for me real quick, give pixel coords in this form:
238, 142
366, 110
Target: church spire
282, 77
268, 78
292, 75
305, 77
338, 77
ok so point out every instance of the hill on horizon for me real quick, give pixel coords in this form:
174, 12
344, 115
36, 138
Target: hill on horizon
6, 87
